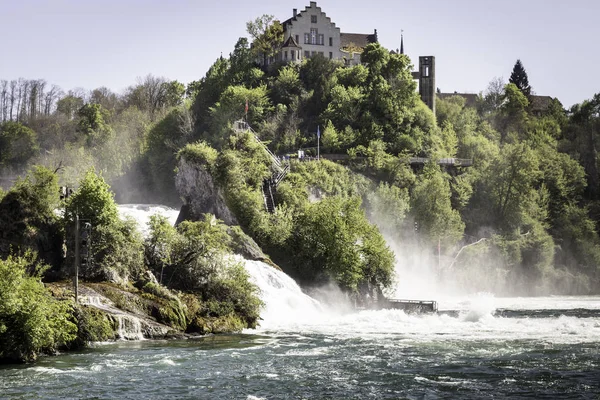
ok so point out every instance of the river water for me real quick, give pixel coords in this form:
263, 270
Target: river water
477, 346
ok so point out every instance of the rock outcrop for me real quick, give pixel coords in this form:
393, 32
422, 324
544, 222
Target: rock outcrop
200, 193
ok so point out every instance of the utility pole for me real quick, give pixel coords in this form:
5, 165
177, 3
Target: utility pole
76, 276
318, 141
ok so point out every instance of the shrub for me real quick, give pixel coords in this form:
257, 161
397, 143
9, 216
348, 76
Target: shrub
31, 320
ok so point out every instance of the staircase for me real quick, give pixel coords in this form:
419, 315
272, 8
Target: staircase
269, 187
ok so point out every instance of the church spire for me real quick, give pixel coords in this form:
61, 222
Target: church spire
402, 41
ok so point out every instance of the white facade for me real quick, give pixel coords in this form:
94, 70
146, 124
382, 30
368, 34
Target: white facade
313, 32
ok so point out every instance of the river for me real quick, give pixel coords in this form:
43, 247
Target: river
477, 346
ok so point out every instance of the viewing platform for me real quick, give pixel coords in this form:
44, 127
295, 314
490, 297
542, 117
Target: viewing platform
410, 306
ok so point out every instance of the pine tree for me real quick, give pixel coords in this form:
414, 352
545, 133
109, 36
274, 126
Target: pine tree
519, 78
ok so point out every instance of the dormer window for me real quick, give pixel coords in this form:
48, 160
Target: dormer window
313, 19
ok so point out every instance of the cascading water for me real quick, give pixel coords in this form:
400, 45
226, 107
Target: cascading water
130, 327
478, 346
285, 303
141, 213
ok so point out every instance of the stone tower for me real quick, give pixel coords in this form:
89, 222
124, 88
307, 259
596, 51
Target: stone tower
427, 80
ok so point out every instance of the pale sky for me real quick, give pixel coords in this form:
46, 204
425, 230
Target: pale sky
88, 44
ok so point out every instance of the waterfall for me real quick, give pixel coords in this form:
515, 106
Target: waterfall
130, 327
95, 301
141, 214
285, 303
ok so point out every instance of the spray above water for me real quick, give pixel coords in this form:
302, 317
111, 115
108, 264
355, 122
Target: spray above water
141, 213
285, 303
288, 310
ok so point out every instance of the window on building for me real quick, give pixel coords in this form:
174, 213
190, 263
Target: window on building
321, 40
297, 40
321, 54
293, 54
331, 41
313, 19
426, 71
330, 55
307, 38
313, 36
306, 54
285, 55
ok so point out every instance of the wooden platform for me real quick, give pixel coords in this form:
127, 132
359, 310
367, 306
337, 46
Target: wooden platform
410, 306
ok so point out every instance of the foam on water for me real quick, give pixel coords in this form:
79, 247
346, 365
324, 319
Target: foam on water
142, 212
285, 303
288, 310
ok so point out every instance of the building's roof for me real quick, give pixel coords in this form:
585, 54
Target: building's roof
288, 21
470, 98
360, 40
291, 42
538, 103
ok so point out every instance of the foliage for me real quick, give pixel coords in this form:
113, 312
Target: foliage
163, 141
92, 123
519, 78
432, 208
116, 250
192, 257
27, 218
31, 321
93, 325
267, 34
333, 239
200, 153
18, 144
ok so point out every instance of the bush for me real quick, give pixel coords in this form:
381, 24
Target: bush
192, 258
31, 320
116, 250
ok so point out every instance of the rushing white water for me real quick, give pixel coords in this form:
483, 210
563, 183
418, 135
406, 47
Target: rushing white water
141, 213
469, 317
285, 303
472, 318
130, 327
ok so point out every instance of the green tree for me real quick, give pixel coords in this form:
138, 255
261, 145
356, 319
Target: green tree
333, 239
69, 105
31, 320
432, 208
92, 123
116, 250
18, 144
192, 257
267, 36
27, 217
519, 78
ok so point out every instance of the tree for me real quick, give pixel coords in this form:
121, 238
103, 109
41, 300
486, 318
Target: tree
27, 217
31, 320
69, 105
334, 240
92, 123
493, 95
267, 35
519, 78
432, 208
117, 250
18, 144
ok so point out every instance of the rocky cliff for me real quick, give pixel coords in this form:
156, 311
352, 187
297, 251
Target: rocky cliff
200, 194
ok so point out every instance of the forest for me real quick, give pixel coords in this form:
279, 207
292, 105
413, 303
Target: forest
526, 212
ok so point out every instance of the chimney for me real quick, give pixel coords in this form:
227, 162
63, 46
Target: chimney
313, 4
295, 12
